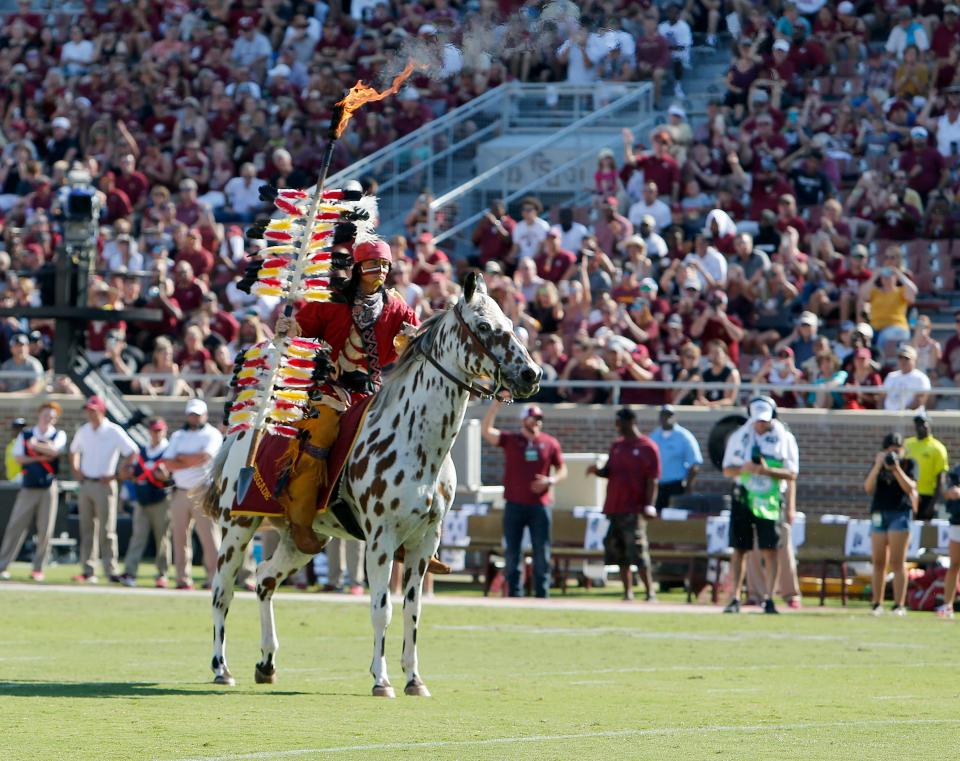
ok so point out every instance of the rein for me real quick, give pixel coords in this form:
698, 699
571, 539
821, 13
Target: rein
470, 388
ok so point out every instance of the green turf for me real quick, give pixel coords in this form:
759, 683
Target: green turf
96, 676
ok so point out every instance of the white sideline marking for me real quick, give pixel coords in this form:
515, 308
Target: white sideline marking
658, 732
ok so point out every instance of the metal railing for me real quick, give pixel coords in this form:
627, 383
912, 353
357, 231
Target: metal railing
442, 153
463, 207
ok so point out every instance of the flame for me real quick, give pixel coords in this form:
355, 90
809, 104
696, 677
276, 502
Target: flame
360, 94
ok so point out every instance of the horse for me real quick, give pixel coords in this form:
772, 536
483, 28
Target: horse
398, 482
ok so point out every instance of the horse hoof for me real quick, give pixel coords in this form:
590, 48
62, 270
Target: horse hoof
386, 691
226, 679
417, 690
261, 676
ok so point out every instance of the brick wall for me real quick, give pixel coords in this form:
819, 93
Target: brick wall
836, 448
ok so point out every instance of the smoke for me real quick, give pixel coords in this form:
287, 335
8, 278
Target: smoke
482, 40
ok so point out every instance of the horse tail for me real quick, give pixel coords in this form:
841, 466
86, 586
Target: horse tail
211, 498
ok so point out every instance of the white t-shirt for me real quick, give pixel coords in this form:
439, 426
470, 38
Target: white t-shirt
100, 448
578, 70
528, 237
242, 197
571, 240
901, 388
714, 263
656, 246
678, 35
947, 132
658, 210
77, 52
206, 439
776, 444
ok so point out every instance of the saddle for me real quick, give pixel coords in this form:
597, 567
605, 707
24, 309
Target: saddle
260, 498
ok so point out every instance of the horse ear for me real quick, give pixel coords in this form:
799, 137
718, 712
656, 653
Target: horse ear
481, 284
469, 286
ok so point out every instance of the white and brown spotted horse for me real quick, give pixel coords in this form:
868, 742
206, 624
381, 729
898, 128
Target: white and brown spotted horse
398, 482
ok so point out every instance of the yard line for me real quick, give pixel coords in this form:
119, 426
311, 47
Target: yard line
623, 733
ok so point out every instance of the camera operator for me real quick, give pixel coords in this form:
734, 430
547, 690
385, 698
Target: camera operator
891, 484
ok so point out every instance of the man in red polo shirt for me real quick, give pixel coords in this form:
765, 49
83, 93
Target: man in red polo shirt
529, 457
658, 167
553, 261
926, 169
632, 472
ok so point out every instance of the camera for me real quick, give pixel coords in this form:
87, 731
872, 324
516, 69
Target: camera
890, 459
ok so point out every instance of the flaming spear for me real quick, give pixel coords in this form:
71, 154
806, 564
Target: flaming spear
291, 361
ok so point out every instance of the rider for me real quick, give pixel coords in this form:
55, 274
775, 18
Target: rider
364, 324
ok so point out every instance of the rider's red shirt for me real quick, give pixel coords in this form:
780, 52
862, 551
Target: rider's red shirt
333, 321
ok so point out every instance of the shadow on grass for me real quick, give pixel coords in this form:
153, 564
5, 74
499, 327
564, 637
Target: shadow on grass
26, 689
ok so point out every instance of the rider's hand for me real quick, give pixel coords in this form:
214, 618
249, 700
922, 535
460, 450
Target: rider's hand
287, 326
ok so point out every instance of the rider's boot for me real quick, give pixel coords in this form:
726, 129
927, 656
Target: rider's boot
435, 566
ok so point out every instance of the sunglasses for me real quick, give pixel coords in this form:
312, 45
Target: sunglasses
535, 418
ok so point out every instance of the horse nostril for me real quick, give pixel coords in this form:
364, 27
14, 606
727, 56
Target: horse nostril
529, 375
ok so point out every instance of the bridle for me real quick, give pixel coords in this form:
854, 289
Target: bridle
470, 388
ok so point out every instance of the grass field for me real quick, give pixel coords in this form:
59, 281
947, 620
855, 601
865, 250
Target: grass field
94, 674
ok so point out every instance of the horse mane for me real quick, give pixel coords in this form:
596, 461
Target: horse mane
421, 342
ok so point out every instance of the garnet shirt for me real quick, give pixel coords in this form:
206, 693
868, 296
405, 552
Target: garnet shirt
632, 463
522, 460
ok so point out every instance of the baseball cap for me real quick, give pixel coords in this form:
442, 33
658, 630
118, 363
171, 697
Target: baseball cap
782, 45
532, 410
95, 403
907, 351
19, 339
808, 318
647, 219
493, 268
951, 8
427, 29
846, 8
60, 122
761, 410
691, 283
921, 414
918, 133
157, 424
196, 407
859, 251
246, 22
675, 320
667, 409
649, 284
19, 422
280, 70
786, 351
676, 110
892, 440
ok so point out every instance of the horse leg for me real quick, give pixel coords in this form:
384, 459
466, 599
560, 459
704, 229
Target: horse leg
286, 560
235, 538
414, 567
379, 566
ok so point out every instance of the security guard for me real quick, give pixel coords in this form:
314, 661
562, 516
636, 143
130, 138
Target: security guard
762, 458
933, 462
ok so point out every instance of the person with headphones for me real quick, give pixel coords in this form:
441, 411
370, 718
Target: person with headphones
762, 458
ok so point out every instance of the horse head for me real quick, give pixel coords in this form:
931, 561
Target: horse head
493, 349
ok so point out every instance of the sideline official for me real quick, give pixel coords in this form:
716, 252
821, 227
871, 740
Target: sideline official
680, 457
761, 457
932, 461
37, 450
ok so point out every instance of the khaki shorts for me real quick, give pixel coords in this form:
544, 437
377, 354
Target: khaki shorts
626, 541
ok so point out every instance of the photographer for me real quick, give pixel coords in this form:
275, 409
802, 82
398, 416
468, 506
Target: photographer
891, 484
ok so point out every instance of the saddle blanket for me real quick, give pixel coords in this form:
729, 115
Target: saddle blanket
259, 499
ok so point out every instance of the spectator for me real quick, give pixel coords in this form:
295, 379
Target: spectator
651, 205
889, 294
37, 450
33, 377
632, 471
893, 489
932, 464
829, 375
863, 374
781, 372
151, 510
677, 33
493, 235
803, 339
95, 452
929, 351
907, 32
905, 388
658, 167
241, 196
571, 232
653, 56
611, 227
533, 464
553, 262
688, 367
720, 370
120, 363
530, 231
680, 457
925, 167
189, 457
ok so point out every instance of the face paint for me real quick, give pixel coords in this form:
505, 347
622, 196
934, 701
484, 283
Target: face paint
375, 272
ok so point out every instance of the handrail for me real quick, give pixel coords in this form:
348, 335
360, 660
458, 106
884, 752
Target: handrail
570, 129
424, 132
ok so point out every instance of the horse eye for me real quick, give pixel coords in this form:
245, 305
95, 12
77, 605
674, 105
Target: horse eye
484, 327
